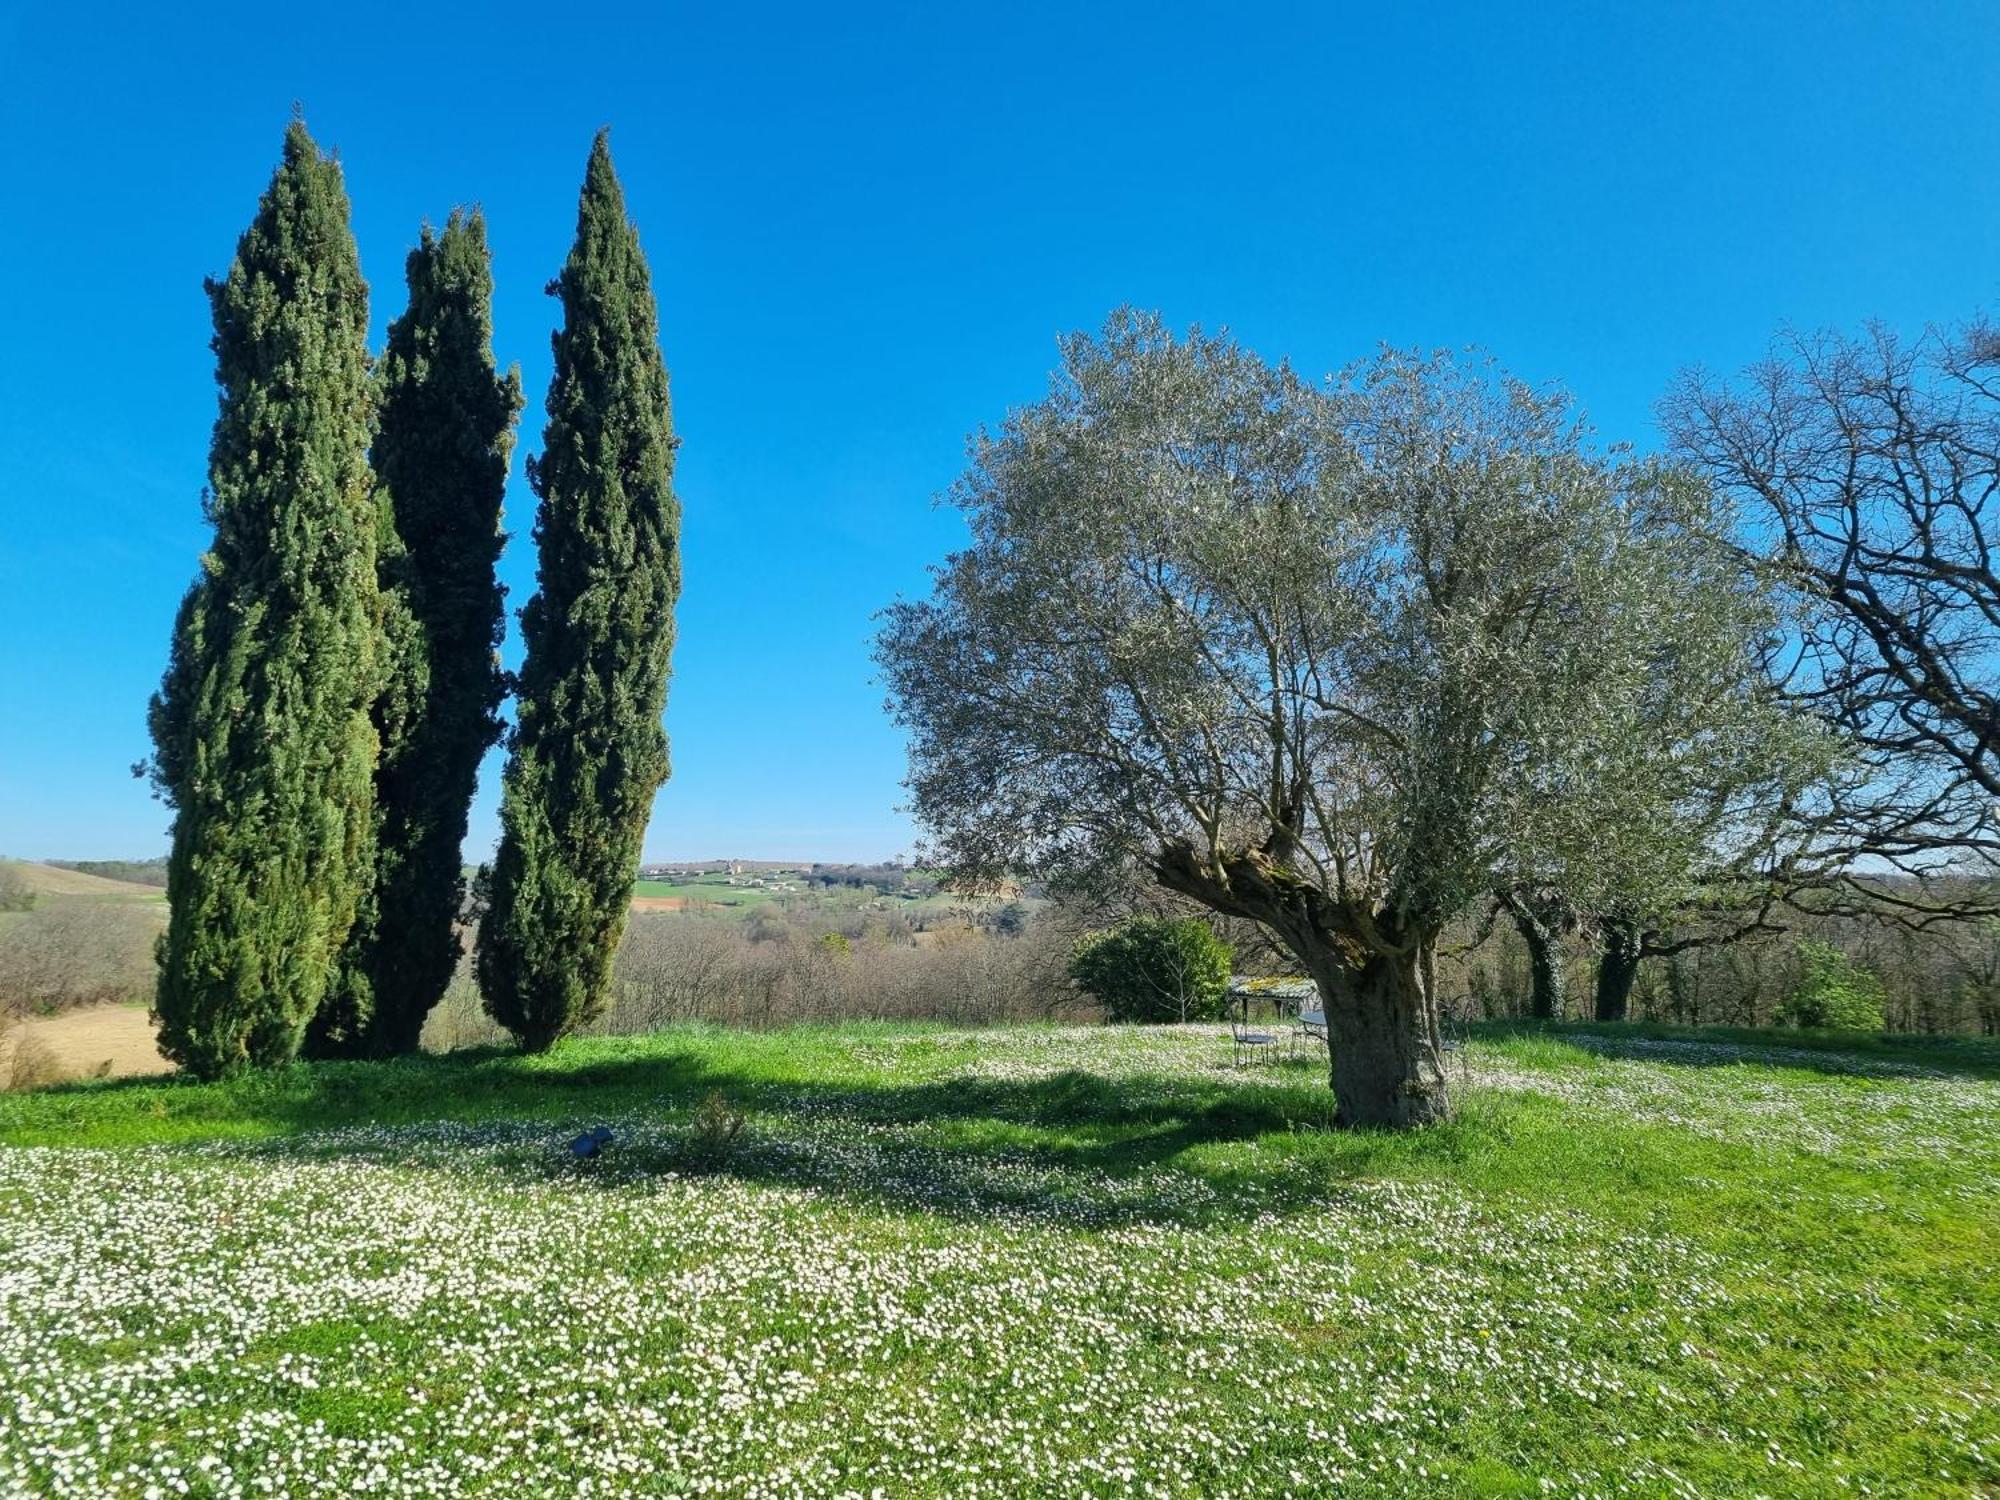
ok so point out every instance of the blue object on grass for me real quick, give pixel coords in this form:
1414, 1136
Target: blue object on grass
590, 1143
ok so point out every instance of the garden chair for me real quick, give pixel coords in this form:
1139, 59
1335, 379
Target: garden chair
1249, 1041
1454, 1046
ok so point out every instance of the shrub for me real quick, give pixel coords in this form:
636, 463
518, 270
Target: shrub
1834, 992
70, 952
15, 892
459, 1020
713, 1132
1156, 969
32, 1063
773, 968
26, 1061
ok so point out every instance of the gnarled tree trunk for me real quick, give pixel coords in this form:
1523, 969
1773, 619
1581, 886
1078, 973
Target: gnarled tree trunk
1375, 977
1385, 1040
1617, 967
1544, 936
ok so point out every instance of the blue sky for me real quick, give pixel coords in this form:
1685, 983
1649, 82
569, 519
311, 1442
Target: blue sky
867, 225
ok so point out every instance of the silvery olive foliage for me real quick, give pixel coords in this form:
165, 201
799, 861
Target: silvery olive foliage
1335, 658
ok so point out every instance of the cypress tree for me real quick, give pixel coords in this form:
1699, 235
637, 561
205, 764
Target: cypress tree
263, 742
344, 1025
588, 751
441, 450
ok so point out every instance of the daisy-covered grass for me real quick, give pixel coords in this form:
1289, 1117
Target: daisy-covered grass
1044, 1261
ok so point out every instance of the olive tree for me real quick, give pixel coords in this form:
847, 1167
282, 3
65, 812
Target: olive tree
1338, 661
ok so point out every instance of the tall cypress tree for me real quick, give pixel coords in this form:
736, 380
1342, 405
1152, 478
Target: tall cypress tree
588, 751
263, 743
345, 1024
441, 450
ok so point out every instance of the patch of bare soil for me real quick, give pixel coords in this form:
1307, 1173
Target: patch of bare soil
101, 1041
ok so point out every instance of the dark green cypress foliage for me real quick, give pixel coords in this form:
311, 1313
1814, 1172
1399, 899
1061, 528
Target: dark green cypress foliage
348, 1017
263, 742
440, 456
588, 751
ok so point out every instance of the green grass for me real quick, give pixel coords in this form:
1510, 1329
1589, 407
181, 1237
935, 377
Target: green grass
1032, 1262
716, 892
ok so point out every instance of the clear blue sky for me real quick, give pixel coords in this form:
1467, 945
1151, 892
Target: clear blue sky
867, 224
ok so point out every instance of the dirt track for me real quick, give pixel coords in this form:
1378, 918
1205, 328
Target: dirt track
83, 1041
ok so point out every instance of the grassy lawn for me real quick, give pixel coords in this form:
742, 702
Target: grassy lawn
1035, 1262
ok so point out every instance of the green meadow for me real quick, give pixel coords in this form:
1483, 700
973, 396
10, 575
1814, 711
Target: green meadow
1039, 1261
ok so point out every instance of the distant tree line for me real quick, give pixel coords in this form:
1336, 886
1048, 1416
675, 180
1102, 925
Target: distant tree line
883, 877
787, 964
891, 878
333, 681
1942, 979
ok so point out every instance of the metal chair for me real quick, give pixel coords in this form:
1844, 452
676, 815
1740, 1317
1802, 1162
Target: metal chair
1249, 1041
1453, 1040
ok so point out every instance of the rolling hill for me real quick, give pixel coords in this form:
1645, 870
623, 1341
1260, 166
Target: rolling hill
50, 881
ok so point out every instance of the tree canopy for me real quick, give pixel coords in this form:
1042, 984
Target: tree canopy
440, 456
1337, 660
1864, 467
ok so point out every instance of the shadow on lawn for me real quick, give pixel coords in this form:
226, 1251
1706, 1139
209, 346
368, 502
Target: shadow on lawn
1075, 1149
1835, 1054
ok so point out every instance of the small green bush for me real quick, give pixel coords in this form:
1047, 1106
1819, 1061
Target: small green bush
1156, 969
1834, 992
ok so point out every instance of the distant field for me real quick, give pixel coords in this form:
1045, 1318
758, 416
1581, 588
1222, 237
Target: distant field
48, 881
107, 1041
716, 893
710, 892
87, 941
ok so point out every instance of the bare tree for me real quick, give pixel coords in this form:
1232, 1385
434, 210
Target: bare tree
1336, 662
1866, 465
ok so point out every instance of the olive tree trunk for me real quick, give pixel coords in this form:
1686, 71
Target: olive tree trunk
1617, 967
1548, 997
1376, 979
1385, 1039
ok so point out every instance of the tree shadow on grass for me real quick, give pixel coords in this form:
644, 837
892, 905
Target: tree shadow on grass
1073, 1149
1834, 1054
